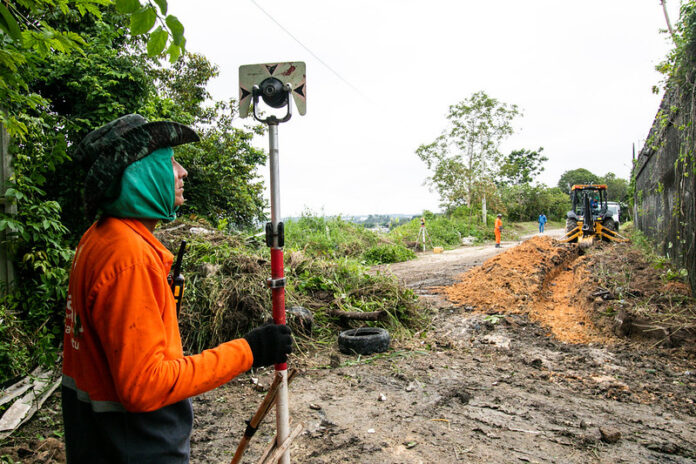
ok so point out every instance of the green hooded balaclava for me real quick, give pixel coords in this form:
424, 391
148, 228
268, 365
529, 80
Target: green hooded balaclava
147, 189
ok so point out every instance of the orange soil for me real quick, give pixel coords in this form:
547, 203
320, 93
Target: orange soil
542, 278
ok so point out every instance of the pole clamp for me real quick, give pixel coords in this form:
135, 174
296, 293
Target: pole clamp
249, 431
270, 235
275, 283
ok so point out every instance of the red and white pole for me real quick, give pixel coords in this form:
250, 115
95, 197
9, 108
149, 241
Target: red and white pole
277, 285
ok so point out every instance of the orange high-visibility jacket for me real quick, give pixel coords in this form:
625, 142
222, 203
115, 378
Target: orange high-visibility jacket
498, 225
122, 347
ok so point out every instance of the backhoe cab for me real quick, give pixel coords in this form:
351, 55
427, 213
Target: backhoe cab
590, 217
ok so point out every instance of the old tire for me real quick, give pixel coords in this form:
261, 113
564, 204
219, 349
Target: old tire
570, 225
364, 340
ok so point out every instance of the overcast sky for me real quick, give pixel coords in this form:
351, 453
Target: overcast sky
381, 75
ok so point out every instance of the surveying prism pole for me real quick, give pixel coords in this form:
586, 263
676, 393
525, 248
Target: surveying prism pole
277, 285
274, 83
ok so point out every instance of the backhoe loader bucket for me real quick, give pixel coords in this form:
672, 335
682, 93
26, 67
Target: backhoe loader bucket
572, 235
609, 234
600, 232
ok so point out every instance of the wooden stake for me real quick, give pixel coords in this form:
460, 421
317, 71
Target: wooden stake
280, 450
267, 403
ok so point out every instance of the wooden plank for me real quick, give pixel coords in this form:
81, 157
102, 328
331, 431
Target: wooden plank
25, 407
13, 391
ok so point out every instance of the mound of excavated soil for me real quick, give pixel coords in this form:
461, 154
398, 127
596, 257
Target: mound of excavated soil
542, 278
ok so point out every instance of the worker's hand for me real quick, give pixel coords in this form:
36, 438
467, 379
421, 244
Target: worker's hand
270, 344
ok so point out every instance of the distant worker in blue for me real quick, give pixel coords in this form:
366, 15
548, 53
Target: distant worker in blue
542, 222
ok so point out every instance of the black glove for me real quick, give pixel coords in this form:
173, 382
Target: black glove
270, 344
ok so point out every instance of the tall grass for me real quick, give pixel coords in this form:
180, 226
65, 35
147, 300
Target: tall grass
335, 238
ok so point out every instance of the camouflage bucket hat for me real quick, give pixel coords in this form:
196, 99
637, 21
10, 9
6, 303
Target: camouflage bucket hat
110, 149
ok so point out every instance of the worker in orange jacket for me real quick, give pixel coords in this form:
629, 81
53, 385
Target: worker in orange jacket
126, 384
497, 228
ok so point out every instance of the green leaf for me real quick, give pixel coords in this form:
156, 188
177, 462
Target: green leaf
127, 6
176, 28
143, 20
174, 52
9, 24
162, 4
157, 42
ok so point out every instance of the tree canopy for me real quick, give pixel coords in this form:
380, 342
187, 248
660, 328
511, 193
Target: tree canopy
51, 98
521, 167
467, 154
617, 188
576, 176
33, 30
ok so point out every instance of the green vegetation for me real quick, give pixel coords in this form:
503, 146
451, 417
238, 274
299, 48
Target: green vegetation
468, 169
668, 270
328, 237
49, 103
32, 31
226, 294
387, 253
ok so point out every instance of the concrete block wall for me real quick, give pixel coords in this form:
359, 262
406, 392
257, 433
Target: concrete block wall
665, 184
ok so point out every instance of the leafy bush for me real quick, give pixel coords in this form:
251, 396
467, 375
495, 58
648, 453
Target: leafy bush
525, 202
347, 285
15, 353
387, 253
328, 237
34, 303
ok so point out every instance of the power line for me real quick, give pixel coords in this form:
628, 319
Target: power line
307, 49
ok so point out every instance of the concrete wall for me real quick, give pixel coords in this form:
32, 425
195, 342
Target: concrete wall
665, 181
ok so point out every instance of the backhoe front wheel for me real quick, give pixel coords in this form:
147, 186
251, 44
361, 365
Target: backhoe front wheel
571, 224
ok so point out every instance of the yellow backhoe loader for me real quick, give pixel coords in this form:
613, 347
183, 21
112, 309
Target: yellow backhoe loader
589, 218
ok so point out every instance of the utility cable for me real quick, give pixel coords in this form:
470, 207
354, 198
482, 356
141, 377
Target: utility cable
307, 49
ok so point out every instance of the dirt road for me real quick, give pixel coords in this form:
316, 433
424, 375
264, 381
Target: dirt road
475, 388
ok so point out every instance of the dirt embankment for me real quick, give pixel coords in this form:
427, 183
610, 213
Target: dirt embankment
542, 278
613, 291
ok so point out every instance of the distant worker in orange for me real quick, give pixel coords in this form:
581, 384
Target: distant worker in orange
498, 228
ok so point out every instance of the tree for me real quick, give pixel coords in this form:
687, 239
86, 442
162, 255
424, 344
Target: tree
110, 78
223, 182
521, 167
576, 176
525, 202
467, 151
71, 93
617, 188
27, 29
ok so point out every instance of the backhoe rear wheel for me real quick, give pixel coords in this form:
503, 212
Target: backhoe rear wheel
570, 225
